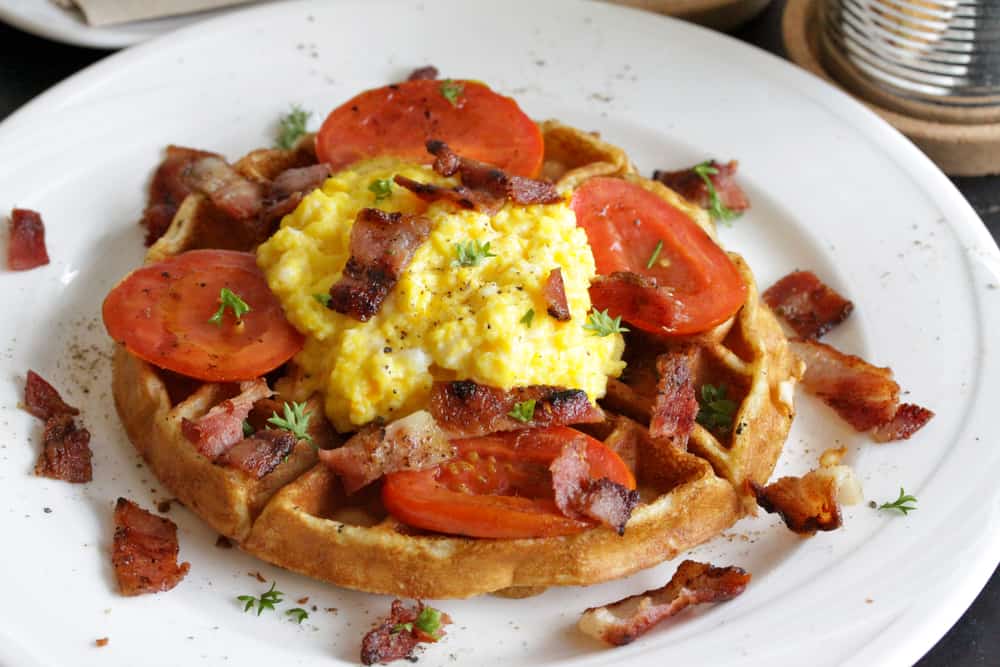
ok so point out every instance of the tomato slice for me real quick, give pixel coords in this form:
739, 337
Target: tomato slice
399, 119
161, 313
497, 486
697, 285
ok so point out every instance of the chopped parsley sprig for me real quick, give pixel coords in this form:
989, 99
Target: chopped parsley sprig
716, 208
528, 317
323, 298
295, 420
451, 91
715, 411
471, 253
655, 255
599, 323
298, 614
900, 504
427, 622
267, 600
381, 188
292, 126
231, 300
523, 411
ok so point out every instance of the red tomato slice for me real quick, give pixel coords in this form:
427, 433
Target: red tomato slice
697, 285
497, 486
399, 119
161, 313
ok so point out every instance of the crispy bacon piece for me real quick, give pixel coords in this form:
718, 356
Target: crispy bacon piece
812, 502
145, 550
676, 404
42, 400
466, 409
554, 292
259, 454
414, 442
26, 247
397, 635
382, 246
286, 191
809, 306
222, 426
66, 454
459, 195
168, 190
691, 186
236, 196
426, 73
487, 178
909, 419
621, 622
578, 496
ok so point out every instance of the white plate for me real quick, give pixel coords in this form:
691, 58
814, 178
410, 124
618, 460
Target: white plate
45, 19
834, 189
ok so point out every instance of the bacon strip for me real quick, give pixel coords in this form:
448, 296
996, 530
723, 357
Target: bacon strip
168, 190
909, 419
691, 186
459, 195
259, 454
414, 442
578, 496
26, 246
554, 292
621, 622
397, 635
490, 179
145, 551
286, 191
676, 405
426, 73
236, 196
222, 426
809, 306
382, 246
467, 409
42, 400
812, 502
66, 454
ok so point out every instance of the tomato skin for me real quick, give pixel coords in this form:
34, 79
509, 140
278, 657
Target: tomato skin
696, 287
509, 489
399, 119
161, 312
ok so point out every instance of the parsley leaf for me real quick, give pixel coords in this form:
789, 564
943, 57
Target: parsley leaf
429, 620
523, 411
298, 614
528, 317
229, 299
323, 299
900, 504
716, 208
451, 91
381, 188
715, 411
471, 253
267, 600
295, 419
247, 429
400, 627
655, 255
292, 126
601, 324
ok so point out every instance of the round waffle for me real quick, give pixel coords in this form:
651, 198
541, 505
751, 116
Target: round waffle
298, 516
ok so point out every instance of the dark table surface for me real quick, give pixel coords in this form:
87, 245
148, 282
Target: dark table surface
29, 65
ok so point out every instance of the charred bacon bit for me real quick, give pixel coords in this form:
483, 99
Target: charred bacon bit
676, 405
527, 191
459, 195
491, 180
812, 502
554, 292
236, 196
467, 409
382, 246
426, 73
168, 190
691, 186
578, 496
397, 635
259, 454
222, 426
42, 400
286, 191
909, 419
809, 306
145, 550
66, 454
414, 442
621, 622
26, 247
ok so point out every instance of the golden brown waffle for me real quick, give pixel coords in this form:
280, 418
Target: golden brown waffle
298, 516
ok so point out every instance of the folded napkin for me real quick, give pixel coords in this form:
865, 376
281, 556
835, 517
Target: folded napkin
107, 12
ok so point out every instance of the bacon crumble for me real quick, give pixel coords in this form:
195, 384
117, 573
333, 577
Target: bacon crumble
222, 427
691, 186
26, 246
144, 554
286, 191
42, 400
676, 404
621, 622
809, 306
426, 73
66, 451
396, 636
260, 453
909, 419
235, 195
579, 496
554, 292
168, 190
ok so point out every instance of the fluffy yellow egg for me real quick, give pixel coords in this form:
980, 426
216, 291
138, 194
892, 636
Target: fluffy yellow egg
442, 321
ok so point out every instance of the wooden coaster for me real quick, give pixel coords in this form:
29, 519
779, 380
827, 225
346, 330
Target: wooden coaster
722, 15
961, 142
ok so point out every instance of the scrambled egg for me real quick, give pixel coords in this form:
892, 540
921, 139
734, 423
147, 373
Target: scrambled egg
442, 321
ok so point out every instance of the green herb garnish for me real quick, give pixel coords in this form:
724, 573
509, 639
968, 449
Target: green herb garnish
655, 255
229, 299
715, 411
451, 91
247, 429
716, 208
900, 504
400, 627
429, 621
602, 324
528, 317
523, 411
292, 126
381, 188
267, 600
323, 299
471, 253
295, 419
298, 614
